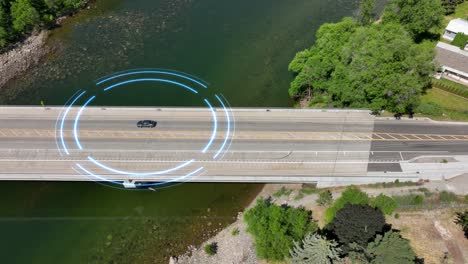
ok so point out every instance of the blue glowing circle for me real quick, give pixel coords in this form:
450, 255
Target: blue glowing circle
163, 76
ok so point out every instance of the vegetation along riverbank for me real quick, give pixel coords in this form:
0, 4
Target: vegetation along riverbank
385, 64
23, 31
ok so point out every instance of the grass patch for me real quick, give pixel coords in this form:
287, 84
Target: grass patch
281, 192
428, 200
394, 184
299, 196
461, 11
448, 197
452, 107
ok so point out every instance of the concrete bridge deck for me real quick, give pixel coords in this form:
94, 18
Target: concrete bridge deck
266, 145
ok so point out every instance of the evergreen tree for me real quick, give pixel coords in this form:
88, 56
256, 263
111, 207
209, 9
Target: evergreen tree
357, 224
462, 220
315, 249
390, 248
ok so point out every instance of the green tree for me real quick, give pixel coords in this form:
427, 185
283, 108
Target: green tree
351, 195
390, 248
356, 224
274, 228
450, 5
313, 67
382, 69
366, 10
462, 220
3, 24
325, 198
385, 203
417, 16
315, 249
24, 15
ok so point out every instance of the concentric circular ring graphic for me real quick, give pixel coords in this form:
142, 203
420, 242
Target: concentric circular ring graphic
85, 161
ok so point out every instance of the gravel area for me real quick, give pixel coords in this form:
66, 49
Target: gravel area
22, 57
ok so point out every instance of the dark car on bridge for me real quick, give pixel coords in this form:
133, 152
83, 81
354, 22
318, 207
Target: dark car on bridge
146, 123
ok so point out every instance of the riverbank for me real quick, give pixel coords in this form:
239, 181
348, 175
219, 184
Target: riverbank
23, 56
235, 245
18, 57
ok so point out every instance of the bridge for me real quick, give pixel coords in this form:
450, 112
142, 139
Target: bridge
330, 147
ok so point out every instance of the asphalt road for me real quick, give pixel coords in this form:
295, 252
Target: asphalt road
275, 143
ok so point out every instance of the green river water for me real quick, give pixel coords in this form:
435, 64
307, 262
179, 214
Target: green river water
242, 48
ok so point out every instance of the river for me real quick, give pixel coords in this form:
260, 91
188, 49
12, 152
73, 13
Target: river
242, 48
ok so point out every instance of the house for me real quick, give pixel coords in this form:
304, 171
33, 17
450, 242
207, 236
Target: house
453, 61
455, 26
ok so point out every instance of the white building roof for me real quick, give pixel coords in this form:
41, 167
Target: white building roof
458, 25
452, 57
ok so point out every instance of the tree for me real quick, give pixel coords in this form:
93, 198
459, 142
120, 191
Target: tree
351, 195
462, 220
24, 15
417, 16
366, 11
3, 37
315, 249
274, 228
3, 25
390, 248
313, 67
357, 224
382, 69
325, 198
450, 5
377, 67
385, 203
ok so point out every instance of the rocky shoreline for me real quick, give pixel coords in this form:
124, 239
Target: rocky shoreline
235, 249
23, 56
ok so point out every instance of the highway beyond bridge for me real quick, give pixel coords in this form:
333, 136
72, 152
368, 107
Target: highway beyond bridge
245, 145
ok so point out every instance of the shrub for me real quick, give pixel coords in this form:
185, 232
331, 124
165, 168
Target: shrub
418, 200
211, 249
282, 191
397, 215
235, 231
460, 40
385, 203
325, 198
351, 195
447, 197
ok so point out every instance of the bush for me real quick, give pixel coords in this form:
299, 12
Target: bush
385, 203
418, 200
274, 228
429, 108
281, 192
235, 231
325, 198
351, 195
397, 215
460, 40
447, 197
211, 249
